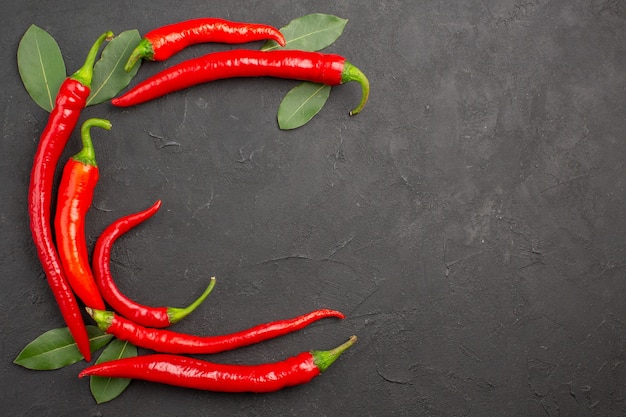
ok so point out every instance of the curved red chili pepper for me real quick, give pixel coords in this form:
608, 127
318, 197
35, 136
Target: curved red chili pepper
70, 101
75, 196
160, 44
317, 67
141, 314
167, 341
188, 372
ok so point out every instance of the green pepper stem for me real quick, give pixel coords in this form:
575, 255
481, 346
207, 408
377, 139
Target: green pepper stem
87, 155
102, 318
176, 314
324, 358
85, 73
143, 50
352, 73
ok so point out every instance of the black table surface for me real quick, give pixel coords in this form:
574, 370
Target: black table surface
470, 222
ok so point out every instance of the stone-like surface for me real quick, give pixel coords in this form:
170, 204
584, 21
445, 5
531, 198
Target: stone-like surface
469, 222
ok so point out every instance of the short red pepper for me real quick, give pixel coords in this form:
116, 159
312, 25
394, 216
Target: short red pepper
167, 341
75, 196
188, 372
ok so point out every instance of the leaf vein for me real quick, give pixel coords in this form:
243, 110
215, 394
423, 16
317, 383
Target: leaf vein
106, 79
305, 102
290, 41
43, 73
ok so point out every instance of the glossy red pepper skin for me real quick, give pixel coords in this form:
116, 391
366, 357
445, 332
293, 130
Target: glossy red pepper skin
69, 103
193, 373
317, 67
149, 316
166, 341
160, 44
75, 195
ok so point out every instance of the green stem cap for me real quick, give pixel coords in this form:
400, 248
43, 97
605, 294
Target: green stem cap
176, 314
324, 358
85, 73
143, 50
87, 155
352, 73
102, 318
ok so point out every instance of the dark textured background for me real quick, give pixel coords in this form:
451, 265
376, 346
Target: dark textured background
470, 222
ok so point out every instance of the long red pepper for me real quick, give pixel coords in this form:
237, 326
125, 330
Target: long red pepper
317, 67
188, 372
167, 341
75, 196
160, 44
70, 101
101, 265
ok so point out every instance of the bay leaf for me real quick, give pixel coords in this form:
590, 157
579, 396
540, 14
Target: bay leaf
56, 348
41, 66
302, 103
311, 32
105, 389
109, 76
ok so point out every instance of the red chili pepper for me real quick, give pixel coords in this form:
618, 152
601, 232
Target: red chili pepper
70, 101
75, 196
139, 313
167, 341
160, 44
315, 67
188, 372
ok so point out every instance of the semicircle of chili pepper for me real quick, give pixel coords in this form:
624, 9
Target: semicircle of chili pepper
144, 315
161, 43
167, 341
75, 195
70, 101
194, 373
317, 67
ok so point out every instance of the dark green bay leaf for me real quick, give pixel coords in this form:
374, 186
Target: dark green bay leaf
109, 76
56, 348
301, 104
311, 32
41, 66
105, 389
